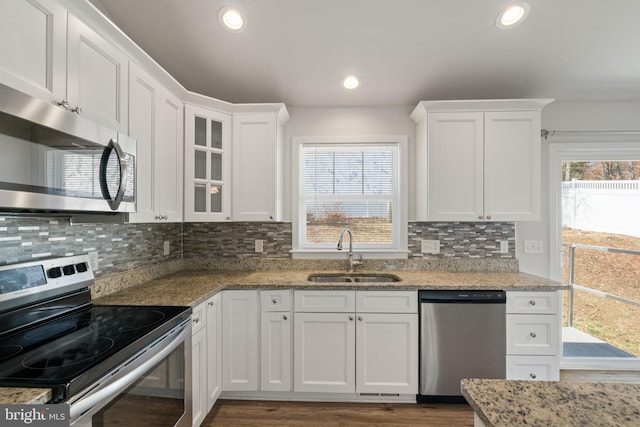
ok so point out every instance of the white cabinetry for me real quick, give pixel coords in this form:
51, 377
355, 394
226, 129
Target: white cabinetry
344, 346
533, 335
50, 54
33, 47
240, 340
275, 340
214, 349
207, 165
199, 364
257, 164
156, 122
478, 160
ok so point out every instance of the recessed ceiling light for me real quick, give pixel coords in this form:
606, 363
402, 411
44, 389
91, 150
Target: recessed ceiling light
350, 82
231, 19
512, 15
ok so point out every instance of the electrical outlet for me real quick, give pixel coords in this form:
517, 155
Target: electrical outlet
93, 261
167, 247
259, 246
430, 246
533, 246
504, 246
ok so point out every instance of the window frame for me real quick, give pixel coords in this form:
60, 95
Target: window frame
399, 248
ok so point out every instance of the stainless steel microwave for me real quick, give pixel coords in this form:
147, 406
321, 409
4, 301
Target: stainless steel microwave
54, 160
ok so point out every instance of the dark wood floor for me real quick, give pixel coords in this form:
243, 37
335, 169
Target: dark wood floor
316, 414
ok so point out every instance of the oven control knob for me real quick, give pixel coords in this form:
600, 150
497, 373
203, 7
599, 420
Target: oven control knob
69, 270
82, 267
54, 272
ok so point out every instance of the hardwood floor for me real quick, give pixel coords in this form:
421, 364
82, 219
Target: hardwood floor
316, 414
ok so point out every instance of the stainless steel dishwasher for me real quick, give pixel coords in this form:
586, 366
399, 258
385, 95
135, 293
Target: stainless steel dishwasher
462, 335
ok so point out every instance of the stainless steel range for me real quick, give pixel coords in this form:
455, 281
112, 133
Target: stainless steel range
113, 365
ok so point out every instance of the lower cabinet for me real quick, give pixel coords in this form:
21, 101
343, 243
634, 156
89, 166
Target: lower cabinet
240, 340
359, 348
534, 335
275, 340
206, 357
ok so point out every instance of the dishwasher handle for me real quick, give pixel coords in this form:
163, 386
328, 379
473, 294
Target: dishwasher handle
462, 297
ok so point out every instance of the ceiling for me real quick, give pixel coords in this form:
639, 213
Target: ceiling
297, 51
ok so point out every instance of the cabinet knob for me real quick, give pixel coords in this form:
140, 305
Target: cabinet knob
480, 217
274, 301
270, 216
488, 216
533, 334
210, 303
76, 110
350, 317
532, 302
196, 320
228, 218
284, 317
360, 318
533, 376
64, 104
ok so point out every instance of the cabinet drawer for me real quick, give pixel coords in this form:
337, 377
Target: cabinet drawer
198, 318
538, 368
324, 301
533, 302
533, 334
275, 300
387, 301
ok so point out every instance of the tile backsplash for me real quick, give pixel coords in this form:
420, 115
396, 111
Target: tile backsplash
122, 247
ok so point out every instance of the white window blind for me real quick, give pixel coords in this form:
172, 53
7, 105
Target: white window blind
349, 186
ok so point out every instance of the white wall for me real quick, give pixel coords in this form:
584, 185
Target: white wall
396, 121
348, 122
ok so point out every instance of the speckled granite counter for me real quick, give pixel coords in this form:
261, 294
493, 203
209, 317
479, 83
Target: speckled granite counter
24, 396
548, 403
192, 287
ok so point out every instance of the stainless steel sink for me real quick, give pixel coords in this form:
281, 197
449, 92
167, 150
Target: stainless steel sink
353, 278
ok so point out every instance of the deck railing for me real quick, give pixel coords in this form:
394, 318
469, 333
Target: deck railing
572, 285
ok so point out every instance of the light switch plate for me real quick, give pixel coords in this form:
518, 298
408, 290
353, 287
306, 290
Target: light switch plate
430, 246
533, 246
167, 248
259, 246
504, 246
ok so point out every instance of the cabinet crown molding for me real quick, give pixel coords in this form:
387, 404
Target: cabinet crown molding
425, 107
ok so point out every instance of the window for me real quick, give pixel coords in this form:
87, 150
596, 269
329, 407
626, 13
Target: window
350, 183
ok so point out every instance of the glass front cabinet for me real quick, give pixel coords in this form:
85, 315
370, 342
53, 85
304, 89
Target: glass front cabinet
207, 165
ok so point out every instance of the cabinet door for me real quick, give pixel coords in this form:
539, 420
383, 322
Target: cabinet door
96, 76
512, 166
455, 166
533, 334
207, 165
275, 351
324, 352
33, 47
214, 349
168, 159
198, 380
240, 340
387, 353
254, 167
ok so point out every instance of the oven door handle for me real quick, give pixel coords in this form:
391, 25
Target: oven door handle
105, 394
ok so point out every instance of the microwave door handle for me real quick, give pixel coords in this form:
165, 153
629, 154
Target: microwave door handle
122, 163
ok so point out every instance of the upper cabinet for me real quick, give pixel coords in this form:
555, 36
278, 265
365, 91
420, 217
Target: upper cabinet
478, 160
156, 122
257, 164
207, 165
48, 53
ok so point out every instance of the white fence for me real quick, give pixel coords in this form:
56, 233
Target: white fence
607, 206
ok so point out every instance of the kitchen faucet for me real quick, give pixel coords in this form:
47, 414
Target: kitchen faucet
352, 263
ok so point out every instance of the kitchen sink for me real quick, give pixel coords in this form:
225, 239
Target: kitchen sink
353, 278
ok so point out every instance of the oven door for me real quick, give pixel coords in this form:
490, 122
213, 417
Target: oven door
153, 388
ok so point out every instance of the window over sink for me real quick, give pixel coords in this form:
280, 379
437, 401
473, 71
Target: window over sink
357, 183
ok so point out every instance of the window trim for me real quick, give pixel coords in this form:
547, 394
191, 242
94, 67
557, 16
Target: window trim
400, 250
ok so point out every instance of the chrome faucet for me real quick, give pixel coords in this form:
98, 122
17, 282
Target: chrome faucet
352, 263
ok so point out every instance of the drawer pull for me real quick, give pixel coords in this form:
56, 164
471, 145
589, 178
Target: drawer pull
284, 317
532, 302
360, 318
274, 301
533, 334
350, 317
533, 376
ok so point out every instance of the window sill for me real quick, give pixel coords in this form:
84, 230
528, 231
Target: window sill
335, 254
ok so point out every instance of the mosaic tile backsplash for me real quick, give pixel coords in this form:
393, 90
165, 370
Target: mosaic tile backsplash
122, 247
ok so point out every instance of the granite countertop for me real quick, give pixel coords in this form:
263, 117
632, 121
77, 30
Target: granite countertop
24, 396
189, 288
550, 403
